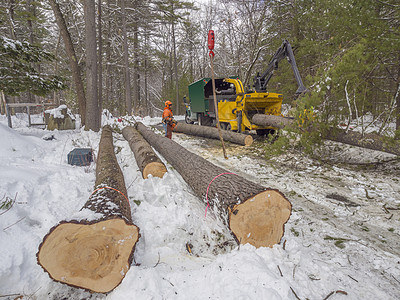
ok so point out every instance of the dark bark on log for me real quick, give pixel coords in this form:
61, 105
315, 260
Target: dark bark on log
95, 255
271, 120
369, 140
147, 161
255, 214
212, 132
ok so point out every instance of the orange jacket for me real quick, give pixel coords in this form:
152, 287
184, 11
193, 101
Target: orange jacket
167, 116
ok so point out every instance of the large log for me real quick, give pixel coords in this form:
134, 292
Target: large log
212, 133
147, 161
271, 120
96, 254
371, 141
254, 214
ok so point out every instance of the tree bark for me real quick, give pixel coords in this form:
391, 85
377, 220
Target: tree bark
128, 97
271, 120
75, 69
100, 56
147, 161
212, 132
254, 214
95, 254
369, 141
136, 52
93, 109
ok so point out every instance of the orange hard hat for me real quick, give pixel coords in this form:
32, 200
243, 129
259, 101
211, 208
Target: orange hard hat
168, 103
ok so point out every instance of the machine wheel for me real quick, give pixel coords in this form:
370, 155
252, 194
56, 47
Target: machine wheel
262, 132
223, 125
187, 119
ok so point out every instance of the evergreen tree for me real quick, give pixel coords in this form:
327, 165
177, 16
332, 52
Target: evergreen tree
17, 73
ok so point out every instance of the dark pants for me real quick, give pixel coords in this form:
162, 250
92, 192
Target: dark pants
169, 131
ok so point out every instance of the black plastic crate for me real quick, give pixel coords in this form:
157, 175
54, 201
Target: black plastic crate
80, 157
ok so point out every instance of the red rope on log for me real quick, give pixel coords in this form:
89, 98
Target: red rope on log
208, 187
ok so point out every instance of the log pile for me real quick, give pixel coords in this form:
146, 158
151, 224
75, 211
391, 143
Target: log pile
96, 254
147, 161
212, 133
254, 214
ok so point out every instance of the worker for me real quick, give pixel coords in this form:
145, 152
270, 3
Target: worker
168, 120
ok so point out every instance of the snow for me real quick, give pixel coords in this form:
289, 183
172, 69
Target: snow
329, 245
57, 112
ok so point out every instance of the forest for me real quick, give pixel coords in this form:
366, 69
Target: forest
131, 56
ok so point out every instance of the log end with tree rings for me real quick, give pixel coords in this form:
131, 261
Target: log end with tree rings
94, 256
156, 169
248, 140
260, 220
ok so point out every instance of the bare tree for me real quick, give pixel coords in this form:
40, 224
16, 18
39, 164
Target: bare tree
75, 69
92, 112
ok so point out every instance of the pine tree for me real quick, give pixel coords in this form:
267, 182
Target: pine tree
17, 73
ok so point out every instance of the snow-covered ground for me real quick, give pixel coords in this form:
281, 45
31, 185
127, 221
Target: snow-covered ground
342, 236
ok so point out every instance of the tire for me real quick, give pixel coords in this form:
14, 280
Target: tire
223, 125
187, 119
262, 132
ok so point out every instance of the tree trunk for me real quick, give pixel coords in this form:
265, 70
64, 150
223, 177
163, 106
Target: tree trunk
92, 113
147, 161
175, 68
100, 57
212, 132
128, 97
96, 254
254, 214
136, 51
73, 60
370, 140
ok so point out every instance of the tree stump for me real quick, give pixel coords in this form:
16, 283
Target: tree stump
147, 161
96, 254
212, 133
254, 214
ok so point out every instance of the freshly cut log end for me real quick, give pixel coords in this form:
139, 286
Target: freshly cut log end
92, 256
260, 219
155, 168
147, 161
248, 140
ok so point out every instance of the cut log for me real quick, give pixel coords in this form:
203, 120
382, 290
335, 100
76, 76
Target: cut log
96, 254
254, 214
271, 120
369, 140
212, 133
147, 161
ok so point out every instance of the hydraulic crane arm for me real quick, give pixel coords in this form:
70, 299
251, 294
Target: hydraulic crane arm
285, 50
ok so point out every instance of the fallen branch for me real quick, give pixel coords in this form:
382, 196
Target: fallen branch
369, 141
335, 292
